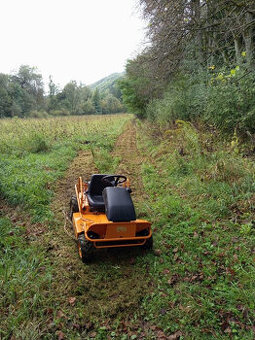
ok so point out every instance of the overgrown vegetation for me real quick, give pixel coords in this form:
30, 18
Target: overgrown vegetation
36, 152
199, 65
25, 272
201, 200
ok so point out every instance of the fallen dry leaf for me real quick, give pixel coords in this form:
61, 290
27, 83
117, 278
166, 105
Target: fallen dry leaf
157, 252
61, 335
175, 336
72, 300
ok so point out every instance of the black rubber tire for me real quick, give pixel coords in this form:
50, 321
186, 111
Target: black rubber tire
73, 206
148, 244
85, 249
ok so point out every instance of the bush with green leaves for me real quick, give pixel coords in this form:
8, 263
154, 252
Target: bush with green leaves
231, 101
184, 99
225, 99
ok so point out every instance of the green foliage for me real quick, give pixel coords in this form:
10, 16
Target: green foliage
6, 100
104, 161
185, 99
87, 107
22, 95
109, 85
201, 201
224, 99
97, 101
59, 112
231, 101
131, 99
138, 87
111, 104
38, 114
25, 272
192, 73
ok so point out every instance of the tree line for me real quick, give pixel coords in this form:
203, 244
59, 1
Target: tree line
199, 63
22, 94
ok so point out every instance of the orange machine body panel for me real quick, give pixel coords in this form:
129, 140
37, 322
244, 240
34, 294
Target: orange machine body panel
111, 234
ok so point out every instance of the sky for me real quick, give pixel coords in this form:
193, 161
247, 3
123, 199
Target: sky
82, 40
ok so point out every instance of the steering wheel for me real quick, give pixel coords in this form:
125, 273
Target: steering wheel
114, 180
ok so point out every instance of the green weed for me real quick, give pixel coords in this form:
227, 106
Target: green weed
203, 227
25, 272
104, 161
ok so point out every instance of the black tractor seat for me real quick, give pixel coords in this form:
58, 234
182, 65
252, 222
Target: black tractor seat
119, 205
94, 193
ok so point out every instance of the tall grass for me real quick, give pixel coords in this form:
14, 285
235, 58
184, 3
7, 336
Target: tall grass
201, 199
35, 152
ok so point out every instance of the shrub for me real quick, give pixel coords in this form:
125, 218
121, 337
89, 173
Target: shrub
60, 112
231, 101
38, 143
184, 99
225, 99
38, 114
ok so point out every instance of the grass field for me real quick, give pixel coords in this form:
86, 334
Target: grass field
35, 153
196, 188
202, 202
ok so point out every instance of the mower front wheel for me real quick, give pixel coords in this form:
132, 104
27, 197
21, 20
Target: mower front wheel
148, 244
85, 248
73, 206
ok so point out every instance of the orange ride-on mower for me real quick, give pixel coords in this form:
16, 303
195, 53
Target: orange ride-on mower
103, 216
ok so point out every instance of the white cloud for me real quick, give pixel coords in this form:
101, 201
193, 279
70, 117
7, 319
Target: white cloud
83, 40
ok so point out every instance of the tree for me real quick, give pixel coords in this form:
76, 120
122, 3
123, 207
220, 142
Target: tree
5, 98
52, 102
97, 101
111, 104
31, 84
72, 95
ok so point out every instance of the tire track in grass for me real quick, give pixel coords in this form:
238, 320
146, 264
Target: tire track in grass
131, 160
109, 290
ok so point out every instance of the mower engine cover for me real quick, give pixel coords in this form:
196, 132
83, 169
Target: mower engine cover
118, 205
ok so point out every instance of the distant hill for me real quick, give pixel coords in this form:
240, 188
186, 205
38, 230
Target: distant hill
107, 84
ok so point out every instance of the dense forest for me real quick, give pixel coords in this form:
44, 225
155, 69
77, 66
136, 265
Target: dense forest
22, 94
199, 64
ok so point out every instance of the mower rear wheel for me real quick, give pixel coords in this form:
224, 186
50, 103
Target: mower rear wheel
85, 248
73, 206
148, 244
